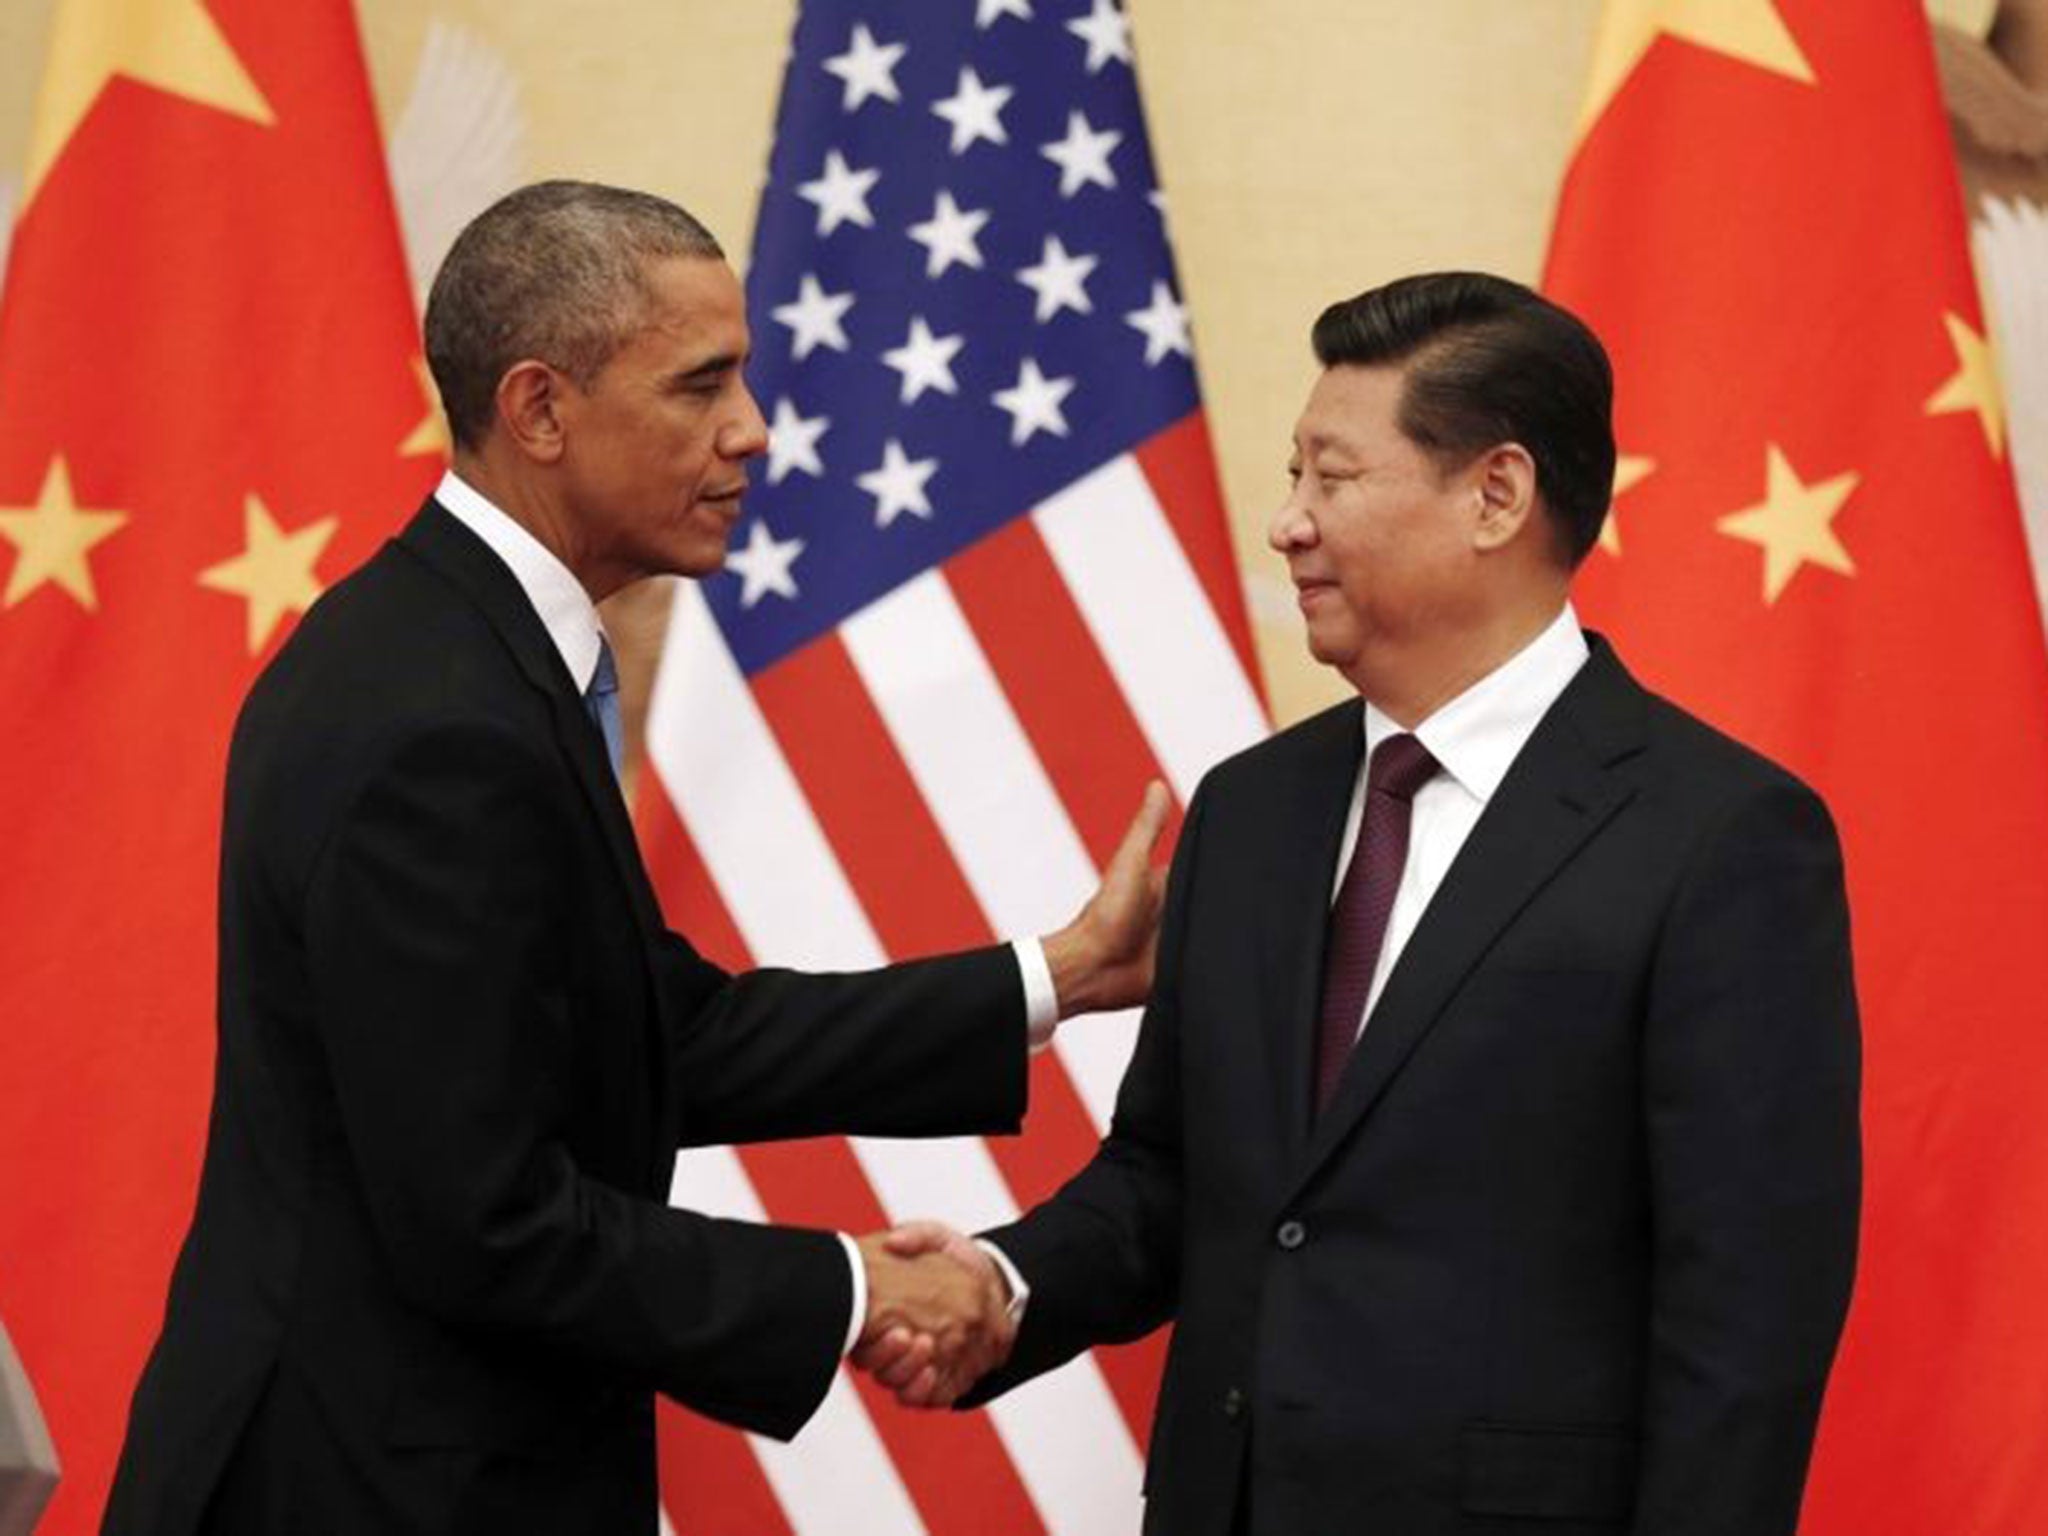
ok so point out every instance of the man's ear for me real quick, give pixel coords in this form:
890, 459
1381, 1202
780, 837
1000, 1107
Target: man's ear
1504, 481
529, 404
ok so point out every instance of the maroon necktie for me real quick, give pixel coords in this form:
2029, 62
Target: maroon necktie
1358, 921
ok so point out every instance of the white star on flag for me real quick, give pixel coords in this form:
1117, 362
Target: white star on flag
868, 68
988, 12
813, 318
1165, 324
897, 484
925, 361
1107, 33
1060, 280
793, 442
1034, 404
763, 566
1083, 156
975, 111
841, 194
949, 235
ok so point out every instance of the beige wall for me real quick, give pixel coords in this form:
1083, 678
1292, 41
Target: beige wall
1308, 148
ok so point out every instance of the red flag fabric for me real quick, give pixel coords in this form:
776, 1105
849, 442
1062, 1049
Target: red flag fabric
209, 408
1816, 544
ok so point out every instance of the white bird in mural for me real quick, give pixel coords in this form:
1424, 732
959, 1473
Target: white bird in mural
458, 145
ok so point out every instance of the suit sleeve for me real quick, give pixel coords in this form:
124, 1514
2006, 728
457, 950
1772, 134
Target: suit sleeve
434, 939
926, 1048
1750, 1086
1102, 1256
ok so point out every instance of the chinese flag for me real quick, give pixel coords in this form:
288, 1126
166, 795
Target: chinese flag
1816, 544
210, 407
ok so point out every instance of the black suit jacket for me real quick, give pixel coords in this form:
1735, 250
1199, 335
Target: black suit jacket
432, 1281
1573, 1241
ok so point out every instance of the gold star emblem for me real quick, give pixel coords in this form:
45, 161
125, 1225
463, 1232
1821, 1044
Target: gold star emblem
1749, 30
1629, 471
1974, 386
1794, 523
431, 435
173, 45
275, 572
52, 538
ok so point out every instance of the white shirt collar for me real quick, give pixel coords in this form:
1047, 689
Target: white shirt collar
1477, 735
557, 596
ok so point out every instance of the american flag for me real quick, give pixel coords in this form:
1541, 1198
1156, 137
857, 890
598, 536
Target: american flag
983, 592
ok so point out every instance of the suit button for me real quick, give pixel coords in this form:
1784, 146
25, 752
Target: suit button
1233, 1404
1292, 1235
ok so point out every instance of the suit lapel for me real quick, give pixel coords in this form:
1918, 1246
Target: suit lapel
439, 539
1562, 788
1294, 915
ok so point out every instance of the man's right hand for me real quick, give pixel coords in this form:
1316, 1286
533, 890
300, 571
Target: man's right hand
937, 1318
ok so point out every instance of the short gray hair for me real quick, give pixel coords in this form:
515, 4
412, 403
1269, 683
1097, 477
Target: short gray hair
555, 271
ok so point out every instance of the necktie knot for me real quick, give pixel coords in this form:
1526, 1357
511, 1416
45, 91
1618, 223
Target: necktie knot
605, 680
1400, 766
601, 699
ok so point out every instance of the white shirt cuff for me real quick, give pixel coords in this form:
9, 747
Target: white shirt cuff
1020, 1293
1041, 1001
860, 1293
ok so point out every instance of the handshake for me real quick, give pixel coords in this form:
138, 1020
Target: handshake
938, 1314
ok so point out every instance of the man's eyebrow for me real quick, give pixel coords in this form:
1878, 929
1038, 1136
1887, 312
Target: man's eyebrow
711, 367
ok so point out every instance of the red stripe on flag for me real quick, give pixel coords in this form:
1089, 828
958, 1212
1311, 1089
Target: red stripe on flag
1064, 694
819, 1184
689, 899
1180, 464
711, 1481
878, 824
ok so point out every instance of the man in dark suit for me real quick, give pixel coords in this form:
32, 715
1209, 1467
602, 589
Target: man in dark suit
432, 1283
1492, 1132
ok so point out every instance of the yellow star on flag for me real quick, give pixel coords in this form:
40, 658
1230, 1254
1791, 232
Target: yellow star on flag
1975, 384
52, 538
431, 435
1629, 470
173, 45
275, 572
1794, 523
1749, 30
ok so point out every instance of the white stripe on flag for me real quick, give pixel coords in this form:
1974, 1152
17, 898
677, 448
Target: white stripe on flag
838, 1463
995, 806
1110, 539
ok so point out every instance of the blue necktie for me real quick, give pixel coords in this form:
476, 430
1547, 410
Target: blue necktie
601, 698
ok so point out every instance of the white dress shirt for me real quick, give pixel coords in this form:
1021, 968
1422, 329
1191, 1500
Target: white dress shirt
572, 622
1475, 738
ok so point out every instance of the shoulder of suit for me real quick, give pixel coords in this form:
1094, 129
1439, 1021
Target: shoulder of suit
1330, 733
389, 647
1696, 748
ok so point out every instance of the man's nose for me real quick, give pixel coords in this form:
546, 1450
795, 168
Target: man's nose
1290, 526
746, 435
